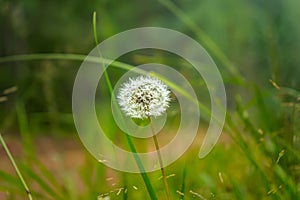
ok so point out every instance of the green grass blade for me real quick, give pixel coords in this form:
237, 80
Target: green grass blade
125, 194
47, 174
182, 190
15, 167
42, 183
121, 65
207, 41
24, 130
128, 138
9, 179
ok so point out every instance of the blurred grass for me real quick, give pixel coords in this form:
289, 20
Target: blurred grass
251, 41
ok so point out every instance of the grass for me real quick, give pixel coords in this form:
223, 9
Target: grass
15, 167
227, 173
257, 156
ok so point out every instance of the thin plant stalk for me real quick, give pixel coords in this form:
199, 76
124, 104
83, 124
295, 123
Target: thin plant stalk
15, 167
183, 183
160, 161
128, 138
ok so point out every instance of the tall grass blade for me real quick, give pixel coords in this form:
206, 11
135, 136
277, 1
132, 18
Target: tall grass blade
182, 189
24, 130
11, 180
42, 183
128, 138
16, 167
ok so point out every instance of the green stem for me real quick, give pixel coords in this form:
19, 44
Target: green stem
15, 167
141, 168
183, 183
160, 161
128, 138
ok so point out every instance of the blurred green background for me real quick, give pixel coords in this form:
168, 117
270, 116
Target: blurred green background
252, 42
261, 38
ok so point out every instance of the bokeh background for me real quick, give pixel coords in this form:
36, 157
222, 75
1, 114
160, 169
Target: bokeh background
255, 44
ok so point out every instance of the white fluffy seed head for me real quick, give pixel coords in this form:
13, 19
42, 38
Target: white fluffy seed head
143, 97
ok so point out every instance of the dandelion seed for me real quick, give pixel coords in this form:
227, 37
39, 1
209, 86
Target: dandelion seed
134, 187
109, 178
221, 177
144, 97
197, 195
119, 191
180, 193
274, 84
10, 90
103, 161
281, 154
169, 176
3, 98
104, 198
273, 190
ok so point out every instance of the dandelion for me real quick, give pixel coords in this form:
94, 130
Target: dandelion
143, 97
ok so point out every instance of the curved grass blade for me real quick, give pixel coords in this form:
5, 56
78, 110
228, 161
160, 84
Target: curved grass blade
128, 138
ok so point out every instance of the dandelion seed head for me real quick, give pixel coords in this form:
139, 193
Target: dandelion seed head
143, 97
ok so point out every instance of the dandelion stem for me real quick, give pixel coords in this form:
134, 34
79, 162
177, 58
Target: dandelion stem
160, 161
15, 167
128, 138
